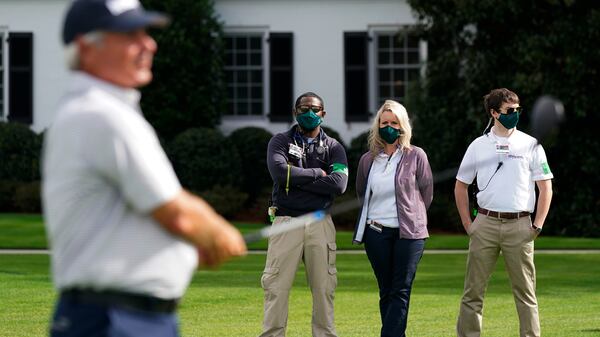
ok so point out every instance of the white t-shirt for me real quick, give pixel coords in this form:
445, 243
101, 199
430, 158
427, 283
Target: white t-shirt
512, 188
382, 201
104, 171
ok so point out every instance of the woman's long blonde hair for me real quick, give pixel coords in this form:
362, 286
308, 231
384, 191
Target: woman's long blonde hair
376, 144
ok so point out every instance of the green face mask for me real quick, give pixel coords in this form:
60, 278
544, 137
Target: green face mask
389, 134
509, 121
308, 121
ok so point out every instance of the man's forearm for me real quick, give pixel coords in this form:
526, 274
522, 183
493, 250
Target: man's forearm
461, 197
543, 204
333, 184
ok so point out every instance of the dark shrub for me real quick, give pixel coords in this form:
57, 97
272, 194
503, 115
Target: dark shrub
358, 146
188, 90
333, 134
347, 220
204, 158
19, 153
251, 144
7, 194
226, 200
27, 198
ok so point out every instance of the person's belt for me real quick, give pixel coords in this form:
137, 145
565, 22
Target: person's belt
503, 215
292, 213
121, 299
375, 224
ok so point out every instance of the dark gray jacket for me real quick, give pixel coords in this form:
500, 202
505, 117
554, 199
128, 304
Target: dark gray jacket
414, 192
308, 189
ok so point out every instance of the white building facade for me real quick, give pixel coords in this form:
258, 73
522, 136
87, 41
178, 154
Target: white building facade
353, 53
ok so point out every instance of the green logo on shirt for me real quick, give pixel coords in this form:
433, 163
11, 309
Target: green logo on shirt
545, 168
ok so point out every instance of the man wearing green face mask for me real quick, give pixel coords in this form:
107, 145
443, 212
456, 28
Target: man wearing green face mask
508, 164
308, 169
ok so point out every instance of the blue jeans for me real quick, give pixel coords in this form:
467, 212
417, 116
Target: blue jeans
394, 261
78, 319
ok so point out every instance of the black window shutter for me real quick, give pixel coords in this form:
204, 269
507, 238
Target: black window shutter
356, 82
20, 77
281, 76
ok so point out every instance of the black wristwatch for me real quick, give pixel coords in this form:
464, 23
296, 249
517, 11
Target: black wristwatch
537, 229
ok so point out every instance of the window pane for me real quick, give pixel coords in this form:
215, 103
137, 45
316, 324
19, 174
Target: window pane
256, 108
383, 41
241, 59
256, 59
394, 74
243, 73
384, 76
241, 92
383, 58
241, 43
255, 43
398, 74
398, 57
242, 108
413, 57
242, 76
256, 92
256, 76
384, 91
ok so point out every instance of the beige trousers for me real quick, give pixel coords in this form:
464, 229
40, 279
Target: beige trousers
489, 236
315, 245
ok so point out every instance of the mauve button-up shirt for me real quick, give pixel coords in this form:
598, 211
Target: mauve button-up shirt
414, 193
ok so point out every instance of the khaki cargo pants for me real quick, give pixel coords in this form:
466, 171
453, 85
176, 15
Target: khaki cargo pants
315, 245
489, 236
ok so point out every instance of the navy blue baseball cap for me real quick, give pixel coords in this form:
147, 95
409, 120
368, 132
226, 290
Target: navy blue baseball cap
84, 16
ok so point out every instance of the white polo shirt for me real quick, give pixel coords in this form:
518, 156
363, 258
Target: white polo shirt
512, 188
104, 171
382, 206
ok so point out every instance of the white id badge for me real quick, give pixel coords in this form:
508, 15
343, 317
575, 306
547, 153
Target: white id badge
502, 148
295, 151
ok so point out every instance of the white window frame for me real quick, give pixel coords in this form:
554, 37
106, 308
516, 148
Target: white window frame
374, 31
263, 32
4, 73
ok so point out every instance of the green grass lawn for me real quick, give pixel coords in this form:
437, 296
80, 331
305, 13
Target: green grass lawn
27, 231
228, 302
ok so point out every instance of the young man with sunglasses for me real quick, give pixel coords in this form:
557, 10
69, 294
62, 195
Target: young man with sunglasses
508, 164
308, 169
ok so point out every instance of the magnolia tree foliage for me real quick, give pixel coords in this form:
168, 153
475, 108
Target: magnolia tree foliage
534, 48
188, 87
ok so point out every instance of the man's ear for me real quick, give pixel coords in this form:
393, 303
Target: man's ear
323, 113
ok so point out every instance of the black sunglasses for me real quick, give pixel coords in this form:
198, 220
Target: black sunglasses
511, 111
306, 108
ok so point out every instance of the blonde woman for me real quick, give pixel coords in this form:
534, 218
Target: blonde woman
395, 187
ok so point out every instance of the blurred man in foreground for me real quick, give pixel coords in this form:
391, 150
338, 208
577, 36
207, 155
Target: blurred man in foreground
124, 235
